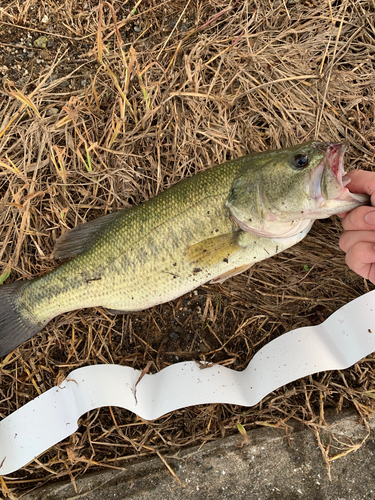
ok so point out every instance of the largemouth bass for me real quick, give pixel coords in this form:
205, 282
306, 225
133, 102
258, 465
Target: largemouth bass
206, 228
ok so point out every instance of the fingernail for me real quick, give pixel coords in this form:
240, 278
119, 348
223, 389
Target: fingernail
370, 218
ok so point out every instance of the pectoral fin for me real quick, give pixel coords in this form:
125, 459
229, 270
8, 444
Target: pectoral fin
213, 250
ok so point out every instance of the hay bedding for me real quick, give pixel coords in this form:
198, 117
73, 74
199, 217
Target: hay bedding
105, 116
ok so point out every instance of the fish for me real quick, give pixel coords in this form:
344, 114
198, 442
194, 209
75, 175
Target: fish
206, 228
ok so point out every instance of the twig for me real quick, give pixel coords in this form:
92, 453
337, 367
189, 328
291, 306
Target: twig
320, 115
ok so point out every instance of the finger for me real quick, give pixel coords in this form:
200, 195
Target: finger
350, 238
360, 219
361, 259
362, 181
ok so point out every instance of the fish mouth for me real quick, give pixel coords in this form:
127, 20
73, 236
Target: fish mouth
335, 157
330, 180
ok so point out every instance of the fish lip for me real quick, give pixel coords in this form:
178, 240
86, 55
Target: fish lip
334, 161
335, 158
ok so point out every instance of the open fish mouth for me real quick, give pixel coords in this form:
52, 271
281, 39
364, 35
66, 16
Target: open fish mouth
330, 180
335, 154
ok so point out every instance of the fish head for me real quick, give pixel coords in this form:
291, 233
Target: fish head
280, 193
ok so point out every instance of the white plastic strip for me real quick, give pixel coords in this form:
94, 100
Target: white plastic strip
343, 339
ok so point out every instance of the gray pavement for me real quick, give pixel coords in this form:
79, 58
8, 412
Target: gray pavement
269, 466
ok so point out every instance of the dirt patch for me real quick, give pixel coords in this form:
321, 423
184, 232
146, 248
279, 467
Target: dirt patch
101, 116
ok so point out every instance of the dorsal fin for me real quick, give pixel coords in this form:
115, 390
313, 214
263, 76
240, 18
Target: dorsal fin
78, 239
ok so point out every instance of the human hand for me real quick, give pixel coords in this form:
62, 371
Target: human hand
358, 240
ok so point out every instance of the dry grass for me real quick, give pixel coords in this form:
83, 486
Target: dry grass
106, 117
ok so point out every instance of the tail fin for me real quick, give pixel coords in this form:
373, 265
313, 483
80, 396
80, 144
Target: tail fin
16, 325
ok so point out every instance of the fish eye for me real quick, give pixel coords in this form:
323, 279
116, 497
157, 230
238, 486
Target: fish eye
300, 161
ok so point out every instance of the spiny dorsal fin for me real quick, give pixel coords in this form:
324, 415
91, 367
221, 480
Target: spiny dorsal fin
78, 239
213, 250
